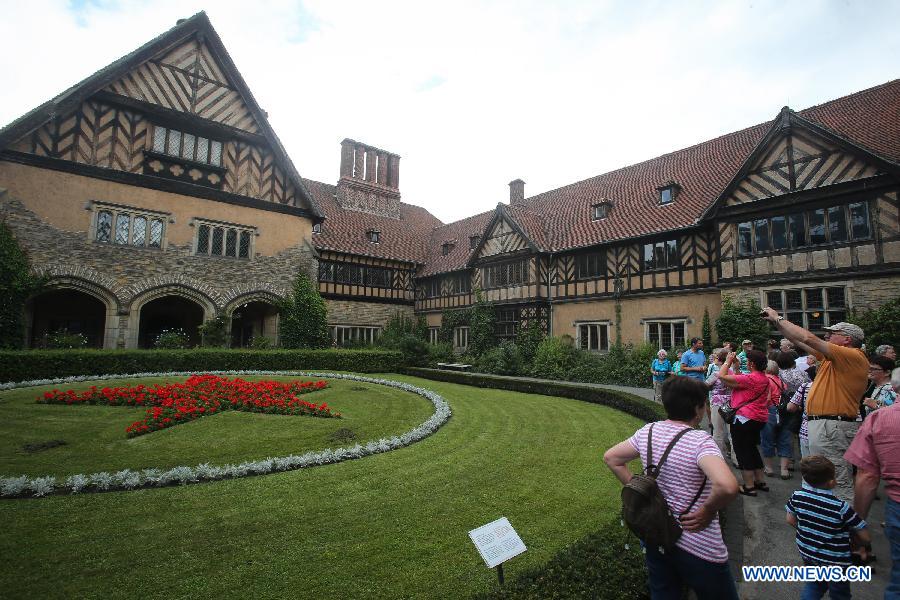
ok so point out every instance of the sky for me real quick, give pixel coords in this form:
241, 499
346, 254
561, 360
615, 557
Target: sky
475, 94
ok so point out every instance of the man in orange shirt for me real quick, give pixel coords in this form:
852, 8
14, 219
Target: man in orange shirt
832, 406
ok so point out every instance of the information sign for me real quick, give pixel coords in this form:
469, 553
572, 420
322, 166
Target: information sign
497, 542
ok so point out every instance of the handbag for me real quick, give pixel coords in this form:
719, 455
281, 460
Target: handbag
729, 413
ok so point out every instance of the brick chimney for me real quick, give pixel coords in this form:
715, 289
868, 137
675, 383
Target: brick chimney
516, 191
370, 180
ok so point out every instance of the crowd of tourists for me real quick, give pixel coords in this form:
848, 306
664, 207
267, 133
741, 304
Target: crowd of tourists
825, 396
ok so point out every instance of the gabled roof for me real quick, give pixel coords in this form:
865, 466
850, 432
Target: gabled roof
198, 24
344, 230
867, 121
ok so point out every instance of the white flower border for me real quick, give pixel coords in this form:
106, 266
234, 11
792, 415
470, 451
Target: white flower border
24, 486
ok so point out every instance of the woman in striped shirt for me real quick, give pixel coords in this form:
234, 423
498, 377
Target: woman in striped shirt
700, 558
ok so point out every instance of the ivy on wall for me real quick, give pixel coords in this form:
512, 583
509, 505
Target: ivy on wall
17, 284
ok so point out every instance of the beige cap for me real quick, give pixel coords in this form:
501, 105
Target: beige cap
746, 343
848, 329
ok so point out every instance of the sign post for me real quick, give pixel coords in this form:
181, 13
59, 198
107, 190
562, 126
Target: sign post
497, 542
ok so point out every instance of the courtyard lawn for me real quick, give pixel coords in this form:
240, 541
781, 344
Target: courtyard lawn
95, 438
392, 525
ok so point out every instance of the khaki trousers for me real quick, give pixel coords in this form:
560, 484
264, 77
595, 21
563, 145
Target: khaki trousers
831, 439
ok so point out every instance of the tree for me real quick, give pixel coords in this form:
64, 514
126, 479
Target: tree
303, 316
706, 331
881, 325
17, 284
481, 325
740, 320
214, 332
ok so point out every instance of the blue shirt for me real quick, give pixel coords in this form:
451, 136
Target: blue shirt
694, 359
824, 522
665, 366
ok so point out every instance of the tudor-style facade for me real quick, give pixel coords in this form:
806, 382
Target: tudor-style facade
154, 194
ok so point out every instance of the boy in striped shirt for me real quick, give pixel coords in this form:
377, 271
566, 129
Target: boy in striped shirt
824, 525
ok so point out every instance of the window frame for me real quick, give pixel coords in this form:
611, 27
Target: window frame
671, 323
583, 263
830, 314
195, 158
593, 324
461, 332
212, 226
600, 210
509, 273
666, 252
368, 333
805, 217
132, 212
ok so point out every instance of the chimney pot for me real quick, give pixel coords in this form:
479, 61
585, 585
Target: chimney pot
516, 191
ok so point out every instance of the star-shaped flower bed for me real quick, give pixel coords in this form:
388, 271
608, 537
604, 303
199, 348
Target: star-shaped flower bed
199, 396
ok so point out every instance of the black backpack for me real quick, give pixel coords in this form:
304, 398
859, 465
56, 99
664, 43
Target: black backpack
644, 509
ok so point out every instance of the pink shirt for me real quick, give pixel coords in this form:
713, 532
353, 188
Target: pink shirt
680, 478
876, 448
751, 397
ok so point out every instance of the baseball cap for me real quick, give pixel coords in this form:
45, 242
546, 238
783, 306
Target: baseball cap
746, 342
848, 329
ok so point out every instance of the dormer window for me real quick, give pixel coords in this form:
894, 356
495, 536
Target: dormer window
373, 235
473, 241
317, 228
667, 192
600, 210
446, 247
187, 145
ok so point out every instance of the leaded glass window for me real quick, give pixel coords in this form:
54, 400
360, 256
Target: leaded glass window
859, 221
215, 153
156, 231
104, 226
187, 150
837, 224
223, 240
159, 139
813, 308
244, 248
231, 243
202, 150
139, 231
203, 239
174, 143
217, 235
122, 222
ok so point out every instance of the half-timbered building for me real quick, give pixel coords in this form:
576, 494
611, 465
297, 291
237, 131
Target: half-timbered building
155, 194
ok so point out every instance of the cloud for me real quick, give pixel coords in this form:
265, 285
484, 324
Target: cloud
474, 94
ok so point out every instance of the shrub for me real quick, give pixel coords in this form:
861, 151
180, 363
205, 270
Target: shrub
440, 353
740, 320
45, 364
399, 326
259, 342
605, 564
62, 339
171, 339
505, 359
303, 322
881, 325
643, 409
214, 332
17, 284
528, 340
706, 329
414, 350
481, 325
554, 358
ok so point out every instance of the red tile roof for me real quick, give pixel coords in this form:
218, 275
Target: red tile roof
402, 239
561, 219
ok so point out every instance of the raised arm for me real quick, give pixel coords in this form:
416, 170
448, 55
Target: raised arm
801, 338
724, 490
725, 374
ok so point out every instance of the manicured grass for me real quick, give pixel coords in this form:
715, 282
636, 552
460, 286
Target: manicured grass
388, 526
95, 437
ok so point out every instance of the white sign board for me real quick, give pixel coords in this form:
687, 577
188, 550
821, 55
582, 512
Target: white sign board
497, 542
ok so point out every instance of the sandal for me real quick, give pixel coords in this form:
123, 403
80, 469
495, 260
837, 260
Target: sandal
743, 490
761, 486
769, 473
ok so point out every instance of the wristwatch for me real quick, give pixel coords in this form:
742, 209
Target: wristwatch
780, 319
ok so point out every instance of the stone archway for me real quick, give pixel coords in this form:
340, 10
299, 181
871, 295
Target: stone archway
251, 316
66, 311
168, 307
76, 305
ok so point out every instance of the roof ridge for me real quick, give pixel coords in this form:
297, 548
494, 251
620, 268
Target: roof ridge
848, 96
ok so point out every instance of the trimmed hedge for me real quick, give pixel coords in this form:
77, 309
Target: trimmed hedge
48, 364
645, 410
606, 564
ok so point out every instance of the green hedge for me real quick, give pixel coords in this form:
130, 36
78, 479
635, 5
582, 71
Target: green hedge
606, 564
46, 364
627, 403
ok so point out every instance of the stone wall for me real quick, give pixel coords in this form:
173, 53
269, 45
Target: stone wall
349, 312
126, 277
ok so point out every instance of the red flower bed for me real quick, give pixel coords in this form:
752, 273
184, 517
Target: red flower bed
197, 397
